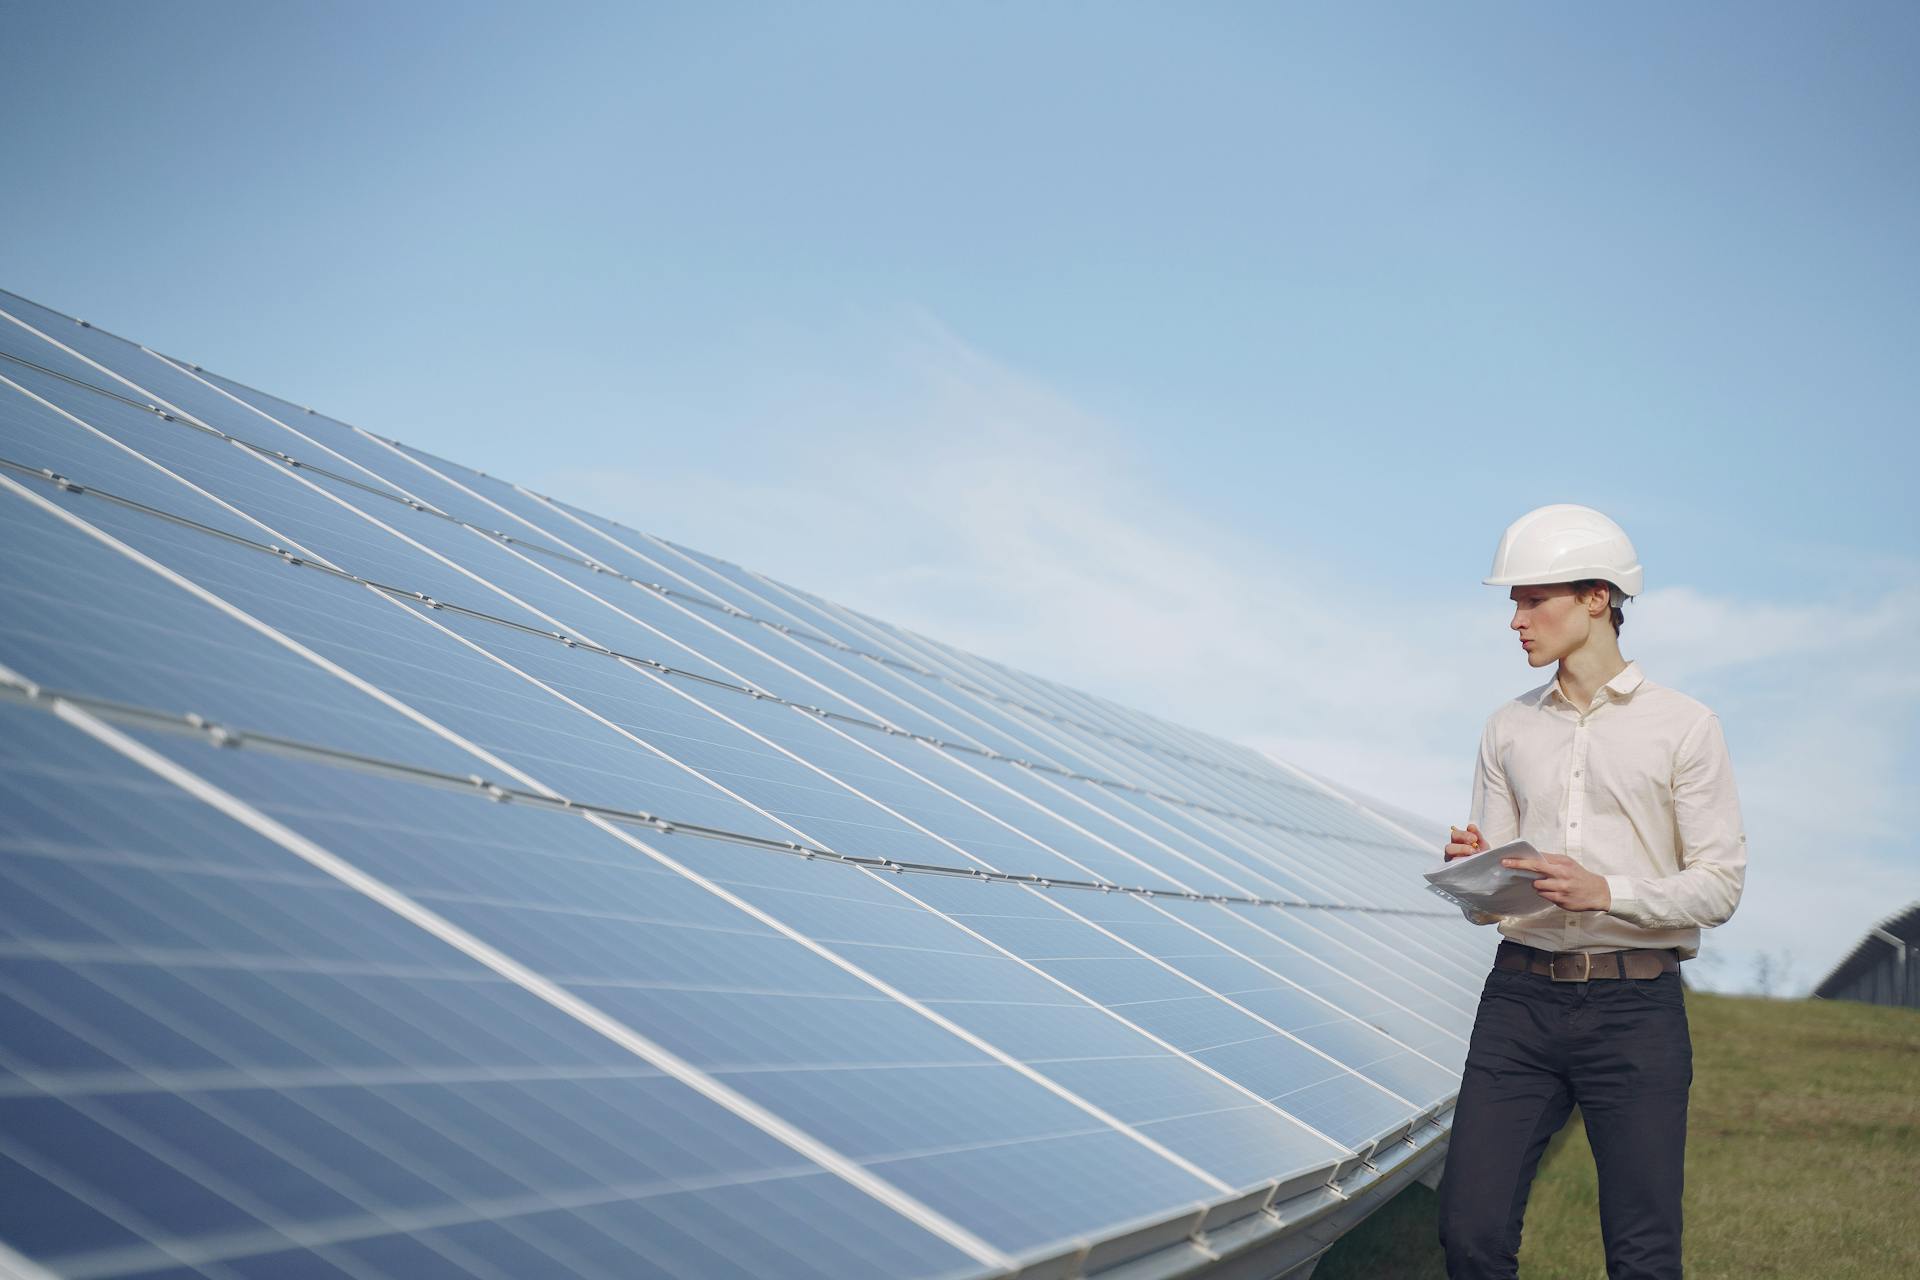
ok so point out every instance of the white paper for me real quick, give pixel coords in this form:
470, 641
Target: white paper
1480, 882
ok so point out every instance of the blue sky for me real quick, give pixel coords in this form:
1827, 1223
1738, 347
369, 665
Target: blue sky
1193, 355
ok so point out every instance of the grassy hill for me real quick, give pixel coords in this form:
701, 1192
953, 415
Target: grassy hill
1803, 1159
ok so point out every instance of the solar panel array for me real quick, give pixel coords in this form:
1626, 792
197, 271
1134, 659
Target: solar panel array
407, 875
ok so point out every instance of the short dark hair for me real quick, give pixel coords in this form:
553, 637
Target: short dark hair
1615, 598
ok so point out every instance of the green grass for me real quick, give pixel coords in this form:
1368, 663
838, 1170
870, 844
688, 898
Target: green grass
1803, 1159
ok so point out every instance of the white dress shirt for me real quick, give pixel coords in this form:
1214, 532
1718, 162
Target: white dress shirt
1635, 787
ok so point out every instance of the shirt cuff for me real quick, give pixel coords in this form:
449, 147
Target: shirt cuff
1620, 889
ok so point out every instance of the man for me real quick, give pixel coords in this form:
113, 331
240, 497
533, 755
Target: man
1624, 787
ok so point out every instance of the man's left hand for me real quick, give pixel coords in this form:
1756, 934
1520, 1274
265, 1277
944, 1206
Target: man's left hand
1564, 882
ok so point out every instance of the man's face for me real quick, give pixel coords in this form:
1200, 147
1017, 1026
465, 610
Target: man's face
1552, 621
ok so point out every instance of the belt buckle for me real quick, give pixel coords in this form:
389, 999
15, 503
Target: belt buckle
1555, 971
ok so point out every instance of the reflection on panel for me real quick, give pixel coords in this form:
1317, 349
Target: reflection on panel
409, 875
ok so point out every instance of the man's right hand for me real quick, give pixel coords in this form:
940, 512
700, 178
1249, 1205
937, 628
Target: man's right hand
1465, 843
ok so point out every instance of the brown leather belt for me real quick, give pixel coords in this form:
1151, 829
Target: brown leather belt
1579, 966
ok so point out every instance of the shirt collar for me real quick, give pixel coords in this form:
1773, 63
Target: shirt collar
1618, 689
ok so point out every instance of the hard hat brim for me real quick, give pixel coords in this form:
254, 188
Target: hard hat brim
1628, 580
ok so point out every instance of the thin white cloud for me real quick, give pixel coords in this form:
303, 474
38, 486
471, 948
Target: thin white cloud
982, 507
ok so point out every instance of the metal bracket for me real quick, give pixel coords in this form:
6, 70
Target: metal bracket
493, 791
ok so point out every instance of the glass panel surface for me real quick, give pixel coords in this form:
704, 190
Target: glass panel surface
230, 1049
85, 618
782, 1024
36, 434
1255, 1053
19, 339
210, 1044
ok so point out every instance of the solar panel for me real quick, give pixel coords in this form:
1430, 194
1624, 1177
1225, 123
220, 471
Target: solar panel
409, 874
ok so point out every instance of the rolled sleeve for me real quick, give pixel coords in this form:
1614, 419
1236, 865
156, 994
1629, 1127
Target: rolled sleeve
1712, 840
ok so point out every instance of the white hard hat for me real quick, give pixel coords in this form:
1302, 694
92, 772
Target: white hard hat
1565, 543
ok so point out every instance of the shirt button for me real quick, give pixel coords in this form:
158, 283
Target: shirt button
1573, 824
1576, 773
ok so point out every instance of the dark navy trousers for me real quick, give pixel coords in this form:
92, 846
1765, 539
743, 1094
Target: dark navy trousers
1618, 1049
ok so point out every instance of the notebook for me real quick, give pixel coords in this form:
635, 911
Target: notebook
1480, 882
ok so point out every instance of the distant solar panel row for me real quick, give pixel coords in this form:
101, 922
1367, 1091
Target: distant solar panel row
407, 875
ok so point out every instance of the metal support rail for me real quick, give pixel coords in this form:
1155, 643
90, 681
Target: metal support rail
26, 692
69, 485
527, 544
